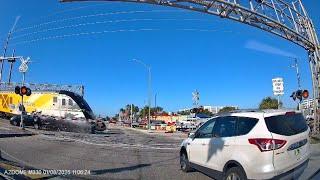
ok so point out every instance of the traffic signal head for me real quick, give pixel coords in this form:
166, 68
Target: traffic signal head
299, 95
294, 96
195, 110
305, 94
28, 92
25, 91
17, 90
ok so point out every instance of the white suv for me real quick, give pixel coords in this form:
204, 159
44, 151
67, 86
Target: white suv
269, 144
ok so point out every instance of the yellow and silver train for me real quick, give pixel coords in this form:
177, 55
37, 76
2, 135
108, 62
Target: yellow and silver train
64, 101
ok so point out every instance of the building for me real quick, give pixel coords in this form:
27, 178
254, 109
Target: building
212, 109
167, 118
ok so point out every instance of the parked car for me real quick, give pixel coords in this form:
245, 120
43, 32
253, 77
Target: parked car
135, 124
28, 120
249, 145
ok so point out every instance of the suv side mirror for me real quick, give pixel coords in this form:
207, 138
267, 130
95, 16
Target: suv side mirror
192, 135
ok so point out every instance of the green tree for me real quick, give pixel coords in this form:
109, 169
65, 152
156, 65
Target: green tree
227, 109
135, 109
145, 111
207, 112
269, 103
184, 112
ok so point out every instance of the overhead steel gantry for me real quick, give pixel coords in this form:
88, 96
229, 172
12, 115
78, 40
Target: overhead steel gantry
285, 18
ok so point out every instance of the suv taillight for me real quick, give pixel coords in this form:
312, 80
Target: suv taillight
267, 144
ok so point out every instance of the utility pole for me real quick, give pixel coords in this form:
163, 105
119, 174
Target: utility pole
11, 61
296, 66
23, 69
131, 113
6, 45
155, 106
150, 94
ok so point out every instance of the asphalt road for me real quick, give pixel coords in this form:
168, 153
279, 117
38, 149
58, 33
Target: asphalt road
116, 154
119, 153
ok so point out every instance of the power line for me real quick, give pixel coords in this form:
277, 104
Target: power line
60, 12
95, 15
83, 33
72, 9
103, 22
115, 31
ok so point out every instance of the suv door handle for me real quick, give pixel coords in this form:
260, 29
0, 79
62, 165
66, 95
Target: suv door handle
203, 144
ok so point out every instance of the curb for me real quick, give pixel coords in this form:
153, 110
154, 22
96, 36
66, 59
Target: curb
15, 135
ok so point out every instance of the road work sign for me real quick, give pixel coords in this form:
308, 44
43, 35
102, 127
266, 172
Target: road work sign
277, 84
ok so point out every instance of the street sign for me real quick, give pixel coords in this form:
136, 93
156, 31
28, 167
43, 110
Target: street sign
278, 88
23, 68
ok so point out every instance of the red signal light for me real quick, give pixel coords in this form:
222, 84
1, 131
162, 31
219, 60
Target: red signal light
23, 90
305, 94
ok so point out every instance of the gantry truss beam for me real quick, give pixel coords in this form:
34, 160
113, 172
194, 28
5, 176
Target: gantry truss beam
285, 18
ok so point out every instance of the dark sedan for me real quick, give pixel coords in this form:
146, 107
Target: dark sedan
27, 121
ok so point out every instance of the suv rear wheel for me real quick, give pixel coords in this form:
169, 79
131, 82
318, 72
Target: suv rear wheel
235, 173
184, 162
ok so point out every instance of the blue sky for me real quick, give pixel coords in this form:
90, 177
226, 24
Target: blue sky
217, 63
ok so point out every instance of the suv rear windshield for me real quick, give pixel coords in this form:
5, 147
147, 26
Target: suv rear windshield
286, 125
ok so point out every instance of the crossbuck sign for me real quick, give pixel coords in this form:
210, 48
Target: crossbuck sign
24, 65
277, 84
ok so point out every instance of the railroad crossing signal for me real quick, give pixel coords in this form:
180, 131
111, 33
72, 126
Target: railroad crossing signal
197, 110
300, 94
22, 90
24, 65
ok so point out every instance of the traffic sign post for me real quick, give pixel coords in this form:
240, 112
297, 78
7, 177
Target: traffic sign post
278, 89
23, 68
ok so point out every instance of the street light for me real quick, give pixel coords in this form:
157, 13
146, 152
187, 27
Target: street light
149, 87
